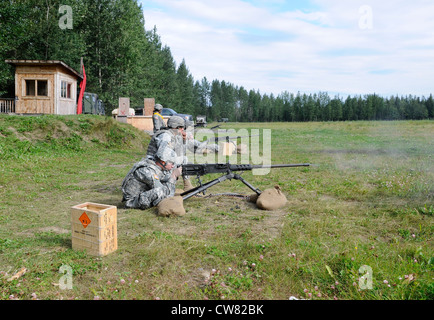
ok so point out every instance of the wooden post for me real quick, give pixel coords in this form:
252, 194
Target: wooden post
124, 109
149, 107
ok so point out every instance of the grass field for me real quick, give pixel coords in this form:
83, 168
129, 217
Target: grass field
357, 225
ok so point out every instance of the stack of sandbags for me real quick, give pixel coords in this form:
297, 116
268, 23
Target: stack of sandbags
271, 199
173, 206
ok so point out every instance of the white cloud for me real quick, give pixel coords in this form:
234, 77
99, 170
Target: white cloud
321, 49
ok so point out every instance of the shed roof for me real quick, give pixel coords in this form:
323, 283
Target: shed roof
44, 63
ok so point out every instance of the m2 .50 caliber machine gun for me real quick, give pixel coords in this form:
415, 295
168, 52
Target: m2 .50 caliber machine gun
227, 170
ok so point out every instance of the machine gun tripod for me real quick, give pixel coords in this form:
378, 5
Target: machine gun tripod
228, 174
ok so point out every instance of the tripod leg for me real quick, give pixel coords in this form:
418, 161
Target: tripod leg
192, 192
238, 177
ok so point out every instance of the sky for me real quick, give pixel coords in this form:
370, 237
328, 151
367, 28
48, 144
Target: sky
342, 47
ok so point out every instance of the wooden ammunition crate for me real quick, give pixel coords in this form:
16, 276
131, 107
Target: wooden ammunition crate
94, 228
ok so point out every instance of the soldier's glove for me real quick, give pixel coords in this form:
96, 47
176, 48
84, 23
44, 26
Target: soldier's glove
176, 173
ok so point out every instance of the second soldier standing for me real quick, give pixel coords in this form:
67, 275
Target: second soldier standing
157, 118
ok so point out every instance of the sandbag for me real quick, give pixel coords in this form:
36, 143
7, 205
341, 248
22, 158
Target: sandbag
271, 199
252, 198
173, 206
178, 192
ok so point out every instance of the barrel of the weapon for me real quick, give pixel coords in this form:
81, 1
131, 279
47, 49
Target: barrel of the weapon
242, 167
290, 165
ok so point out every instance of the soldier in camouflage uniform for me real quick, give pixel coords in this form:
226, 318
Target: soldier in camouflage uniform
175, 138
170, 138
149, 182
157, 118
154, 178
193, 145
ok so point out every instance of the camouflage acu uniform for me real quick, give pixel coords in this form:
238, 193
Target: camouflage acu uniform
158, 122
196, 146
166, 144
146, 185
157, 119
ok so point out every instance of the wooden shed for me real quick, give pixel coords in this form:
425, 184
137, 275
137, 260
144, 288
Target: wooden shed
45, 87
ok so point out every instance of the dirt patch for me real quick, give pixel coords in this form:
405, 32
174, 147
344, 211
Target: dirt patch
53, 229
18, 135
228, 213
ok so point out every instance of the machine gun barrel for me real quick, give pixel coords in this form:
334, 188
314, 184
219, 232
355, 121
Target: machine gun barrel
293, 165
227, 138
203, 169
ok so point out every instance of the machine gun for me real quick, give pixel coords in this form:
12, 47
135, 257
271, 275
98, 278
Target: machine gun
228, 173
227, 138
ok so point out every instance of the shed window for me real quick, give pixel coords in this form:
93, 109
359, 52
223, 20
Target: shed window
37, 87
42, 87
30, 87
65, 90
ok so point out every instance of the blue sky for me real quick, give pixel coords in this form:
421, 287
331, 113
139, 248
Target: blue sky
336, 46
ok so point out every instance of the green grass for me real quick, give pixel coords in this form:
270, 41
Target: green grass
368, 201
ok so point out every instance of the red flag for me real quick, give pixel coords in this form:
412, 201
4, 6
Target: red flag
80, 97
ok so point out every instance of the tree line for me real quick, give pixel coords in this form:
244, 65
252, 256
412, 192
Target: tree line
123, 58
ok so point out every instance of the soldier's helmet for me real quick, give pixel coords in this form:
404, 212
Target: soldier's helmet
168, 155
189, 124
175, 122
158, 107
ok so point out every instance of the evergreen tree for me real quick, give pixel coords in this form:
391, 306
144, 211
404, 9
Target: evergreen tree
14, 39
184, 93
216, 100
202, 97
243, 98
228, 100
429, 104
266, 107
278, 109
253, 106
310, 109
31, 30
116, 39
348, 109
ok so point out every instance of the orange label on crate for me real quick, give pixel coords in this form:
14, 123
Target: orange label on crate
84, 219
